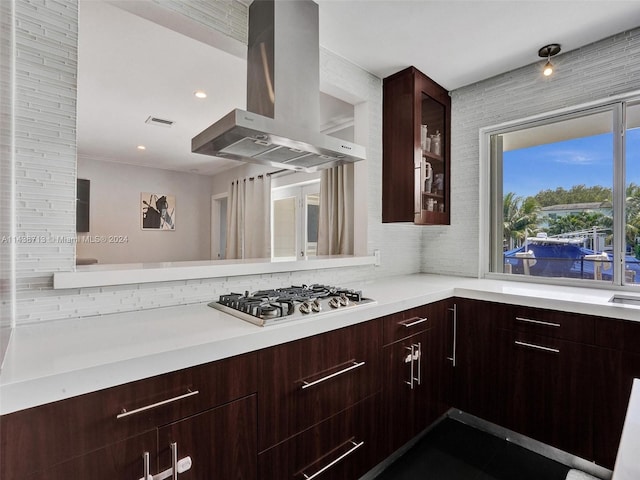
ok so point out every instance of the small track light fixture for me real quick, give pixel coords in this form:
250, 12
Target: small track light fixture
549, 51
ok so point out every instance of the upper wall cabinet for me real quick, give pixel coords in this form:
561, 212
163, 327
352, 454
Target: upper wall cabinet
416, 149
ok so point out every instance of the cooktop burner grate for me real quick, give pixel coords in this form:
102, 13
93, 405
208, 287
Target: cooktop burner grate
288, 303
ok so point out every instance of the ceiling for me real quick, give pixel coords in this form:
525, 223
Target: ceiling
130, 68
458, 42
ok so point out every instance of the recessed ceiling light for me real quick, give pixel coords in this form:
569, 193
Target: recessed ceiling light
548, 51
200, 94
141, 147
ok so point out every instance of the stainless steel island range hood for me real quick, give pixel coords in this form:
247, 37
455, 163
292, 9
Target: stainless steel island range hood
281, 126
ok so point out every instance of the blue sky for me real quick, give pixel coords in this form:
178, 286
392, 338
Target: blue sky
587, 161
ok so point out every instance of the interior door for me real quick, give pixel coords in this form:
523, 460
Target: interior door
295, 221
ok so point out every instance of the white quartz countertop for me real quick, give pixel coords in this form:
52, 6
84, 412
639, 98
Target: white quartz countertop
61, 359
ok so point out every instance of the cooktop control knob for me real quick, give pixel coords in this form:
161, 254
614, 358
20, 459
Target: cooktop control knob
334, 302
315, 305
305, 307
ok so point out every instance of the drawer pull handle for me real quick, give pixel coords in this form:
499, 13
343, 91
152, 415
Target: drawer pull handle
417, 321
537, 347
538, 322
329, 465
339, 372
125, 413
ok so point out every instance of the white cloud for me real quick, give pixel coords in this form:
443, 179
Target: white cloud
573, 157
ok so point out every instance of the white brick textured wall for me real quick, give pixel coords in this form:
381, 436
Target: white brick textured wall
597, 71
46, 36
399, 244
46, 57
6, 171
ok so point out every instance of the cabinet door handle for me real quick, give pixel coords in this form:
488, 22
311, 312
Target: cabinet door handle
177, 466
409, 359
414, 355
418, 353
353, 366
416, 321
537, 347
145, 467
331, 464
455, 333
538, 322
126, 413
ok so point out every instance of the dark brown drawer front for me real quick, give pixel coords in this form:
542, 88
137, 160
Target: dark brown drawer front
404, 324
549, 387
304, 382
565, 326
343, 447
42, 436
122, 460
221, 442
618, 334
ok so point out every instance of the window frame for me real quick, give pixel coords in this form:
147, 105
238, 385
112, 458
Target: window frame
491, 201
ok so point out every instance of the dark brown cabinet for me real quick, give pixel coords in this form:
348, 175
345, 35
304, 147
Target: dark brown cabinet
549, 391
220, 443
563, 379
121, 460
478, 360
406, 388
318, 409
616, 363
343, 447
338, 403
416, 149
109, 431
306, 381
414, 387
549, 376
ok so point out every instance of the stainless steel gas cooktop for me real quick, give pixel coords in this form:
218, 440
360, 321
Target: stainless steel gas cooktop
278, 305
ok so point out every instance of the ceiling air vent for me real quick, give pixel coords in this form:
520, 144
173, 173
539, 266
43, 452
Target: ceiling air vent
161, 122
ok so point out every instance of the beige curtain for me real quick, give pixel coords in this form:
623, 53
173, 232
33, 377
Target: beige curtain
335, 228
249, 218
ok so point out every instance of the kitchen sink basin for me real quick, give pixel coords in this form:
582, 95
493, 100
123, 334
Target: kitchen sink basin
626, 300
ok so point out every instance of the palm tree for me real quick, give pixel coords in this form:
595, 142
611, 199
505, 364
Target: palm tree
632, 213
520, 219
579, 222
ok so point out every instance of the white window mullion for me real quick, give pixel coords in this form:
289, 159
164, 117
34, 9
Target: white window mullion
619, 192
497, 203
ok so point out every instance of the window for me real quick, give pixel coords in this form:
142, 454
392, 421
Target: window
565, 196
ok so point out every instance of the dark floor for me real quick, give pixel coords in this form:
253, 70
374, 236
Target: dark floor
453, 451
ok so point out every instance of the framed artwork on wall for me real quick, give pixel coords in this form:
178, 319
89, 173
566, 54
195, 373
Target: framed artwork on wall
157, 211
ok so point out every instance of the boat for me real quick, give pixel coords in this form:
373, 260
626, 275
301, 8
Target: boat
567, 257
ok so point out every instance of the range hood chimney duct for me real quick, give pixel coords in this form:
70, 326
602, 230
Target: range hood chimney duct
282, 125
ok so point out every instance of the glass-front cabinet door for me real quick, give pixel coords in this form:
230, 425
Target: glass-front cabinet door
432, 202
416, 146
